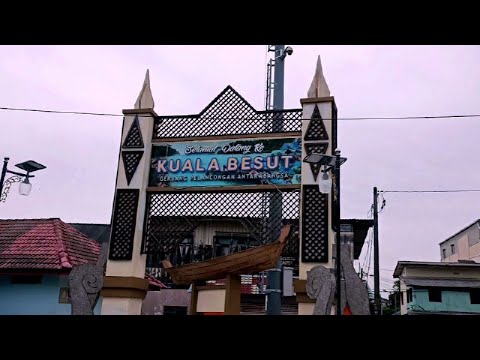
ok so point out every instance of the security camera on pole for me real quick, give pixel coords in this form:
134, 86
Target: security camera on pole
274, 276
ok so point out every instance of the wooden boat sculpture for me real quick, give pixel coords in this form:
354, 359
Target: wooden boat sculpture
244, 262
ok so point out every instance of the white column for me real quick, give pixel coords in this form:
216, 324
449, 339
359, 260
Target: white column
125, 285
318, 96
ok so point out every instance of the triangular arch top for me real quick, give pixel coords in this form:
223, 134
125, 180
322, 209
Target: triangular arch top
227, 114
228, 102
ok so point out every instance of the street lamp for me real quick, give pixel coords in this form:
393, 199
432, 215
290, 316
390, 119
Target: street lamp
25, 185
325, 182
325, 185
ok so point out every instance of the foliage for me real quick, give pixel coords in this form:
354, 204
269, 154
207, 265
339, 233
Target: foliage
393, 306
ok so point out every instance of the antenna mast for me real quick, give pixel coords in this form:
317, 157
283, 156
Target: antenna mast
270, 80
275, 87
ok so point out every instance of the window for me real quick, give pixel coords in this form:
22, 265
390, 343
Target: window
409, 295
452, 247
26, 279
444, 253
435, 295
174, 310
475, 296
153, 260
226, 243
181, 254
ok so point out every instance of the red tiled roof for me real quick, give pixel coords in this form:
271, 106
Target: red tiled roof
44, 244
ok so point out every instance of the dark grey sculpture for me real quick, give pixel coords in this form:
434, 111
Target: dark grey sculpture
85, 282
321, 285
353, 290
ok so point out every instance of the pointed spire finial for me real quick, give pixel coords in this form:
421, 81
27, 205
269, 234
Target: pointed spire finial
145, 98
319, 87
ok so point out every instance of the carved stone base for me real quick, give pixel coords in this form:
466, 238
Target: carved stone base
320, 288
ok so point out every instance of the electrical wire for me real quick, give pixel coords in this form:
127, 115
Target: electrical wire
370, 212
431, 191
370, 256
387, 278
224, 118
369, 243
367, 261
388, 281
384, 202
59, 111
365, 257
367, 254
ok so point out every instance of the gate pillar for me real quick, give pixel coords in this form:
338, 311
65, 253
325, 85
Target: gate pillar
319, 134
125, 285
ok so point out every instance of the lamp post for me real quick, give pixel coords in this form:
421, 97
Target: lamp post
25, 185
325, 185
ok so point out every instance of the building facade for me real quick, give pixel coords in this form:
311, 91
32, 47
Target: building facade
36, 294
36, 256
438, 287
464, 245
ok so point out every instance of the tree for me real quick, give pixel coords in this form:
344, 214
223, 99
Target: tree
394, 300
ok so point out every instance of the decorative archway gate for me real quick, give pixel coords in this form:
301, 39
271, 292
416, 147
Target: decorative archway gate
184, 182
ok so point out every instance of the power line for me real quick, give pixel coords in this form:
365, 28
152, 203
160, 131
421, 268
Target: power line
59, 111
368, 242
409, 117
387, 280
342, 119
366, 260
370, 256
430, 191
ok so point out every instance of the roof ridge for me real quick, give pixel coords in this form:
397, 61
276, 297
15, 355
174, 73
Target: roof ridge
80, 223
84, 237
437, 279
78, 232
31, 219
61, 246
48, 244
459, 231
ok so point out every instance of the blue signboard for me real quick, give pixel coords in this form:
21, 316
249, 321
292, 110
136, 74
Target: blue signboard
226, 163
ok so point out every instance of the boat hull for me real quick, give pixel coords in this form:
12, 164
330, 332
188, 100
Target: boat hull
245, 262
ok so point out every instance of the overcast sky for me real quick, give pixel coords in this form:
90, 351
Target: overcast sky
81, 152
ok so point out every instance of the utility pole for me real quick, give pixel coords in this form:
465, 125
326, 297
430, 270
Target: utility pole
338, 233
376, 268
274, 276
